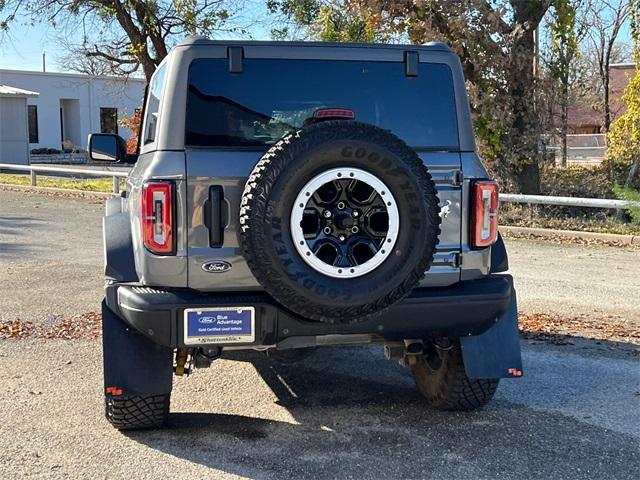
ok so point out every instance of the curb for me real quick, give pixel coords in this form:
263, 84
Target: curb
551, 233
52, 191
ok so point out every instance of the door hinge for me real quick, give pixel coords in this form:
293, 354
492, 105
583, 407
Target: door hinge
453, 178
411, 61
236, 57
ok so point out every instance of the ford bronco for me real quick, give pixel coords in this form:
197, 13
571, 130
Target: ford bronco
287, 196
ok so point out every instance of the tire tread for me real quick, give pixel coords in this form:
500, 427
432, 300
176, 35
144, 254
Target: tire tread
137, 412
455, 391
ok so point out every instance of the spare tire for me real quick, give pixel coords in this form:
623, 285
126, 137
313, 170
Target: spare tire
339, 221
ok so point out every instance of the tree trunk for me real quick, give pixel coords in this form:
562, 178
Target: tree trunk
528, 179
138, 39
607, 107
565, 149
564, 127
522, 140
633, 173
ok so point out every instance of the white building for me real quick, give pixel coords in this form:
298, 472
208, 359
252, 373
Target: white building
70, 106
14, 132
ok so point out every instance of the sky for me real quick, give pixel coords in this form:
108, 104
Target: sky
22, 47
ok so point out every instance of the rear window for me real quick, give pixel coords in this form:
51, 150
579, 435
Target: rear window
274, 97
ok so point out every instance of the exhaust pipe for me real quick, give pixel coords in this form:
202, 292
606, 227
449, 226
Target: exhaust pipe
413, 347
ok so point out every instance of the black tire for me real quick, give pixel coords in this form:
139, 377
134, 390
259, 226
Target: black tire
271, 191
137, 412
442, 380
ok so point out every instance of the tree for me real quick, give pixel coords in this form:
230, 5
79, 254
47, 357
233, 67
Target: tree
126, 35
565, 36
606, 19
73, 59
563, 58
623, 138
329, 20
496, 43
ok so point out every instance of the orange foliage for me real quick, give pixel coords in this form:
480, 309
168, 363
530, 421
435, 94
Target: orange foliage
133, 123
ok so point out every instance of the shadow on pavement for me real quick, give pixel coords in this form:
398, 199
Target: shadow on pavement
16, 227
357, 416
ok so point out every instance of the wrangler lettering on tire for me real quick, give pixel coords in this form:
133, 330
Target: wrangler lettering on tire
339, 221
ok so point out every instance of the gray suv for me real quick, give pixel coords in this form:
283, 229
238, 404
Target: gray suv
286, 196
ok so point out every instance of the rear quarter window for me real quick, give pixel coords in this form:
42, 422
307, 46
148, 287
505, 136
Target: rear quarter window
271, 98
152, 106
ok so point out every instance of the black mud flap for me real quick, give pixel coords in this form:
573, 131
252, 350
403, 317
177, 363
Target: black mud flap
133, 365
495, 353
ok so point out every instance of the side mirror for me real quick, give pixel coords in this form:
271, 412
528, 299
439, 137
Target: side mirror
107, 147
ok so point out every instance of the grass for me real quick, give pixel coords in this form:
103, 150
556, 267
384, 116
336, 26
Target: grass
85, 184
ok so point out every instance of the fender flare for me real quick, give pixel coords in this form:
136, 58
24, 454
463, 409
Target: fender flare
499, 258
119, 258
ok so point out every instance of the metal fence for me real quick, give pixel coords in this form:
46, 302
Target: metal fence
33, 171
582, 149
504, 197
568, 201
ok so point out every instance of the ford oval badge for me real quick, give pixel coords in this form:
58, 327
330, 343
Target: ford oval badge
216, 266
206, 320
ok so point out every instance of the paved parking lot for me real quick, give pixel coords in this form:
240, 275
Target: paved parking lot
343, 413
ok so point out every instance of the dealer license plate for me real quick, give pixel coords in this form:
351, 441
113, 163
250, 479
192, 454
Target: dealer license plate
219, 325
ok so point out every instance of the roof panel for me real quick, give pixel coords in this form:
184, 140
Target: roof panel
8, 91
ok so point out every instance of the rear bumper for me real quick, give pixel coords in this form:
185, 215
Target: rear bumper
467, 308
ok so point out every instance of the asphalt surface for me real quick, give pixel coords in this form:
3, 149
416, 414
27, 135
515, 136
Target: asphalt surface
50, 256
342, 413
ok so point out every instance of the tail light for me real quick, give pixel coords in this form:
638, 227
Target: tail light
158, 218
484, 213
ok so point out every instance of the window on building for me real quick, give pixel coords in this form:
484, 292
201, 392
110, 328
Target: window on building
32, 112
108, 120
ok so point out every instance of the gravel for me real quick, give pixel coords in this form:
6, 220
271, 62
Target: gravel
576, 280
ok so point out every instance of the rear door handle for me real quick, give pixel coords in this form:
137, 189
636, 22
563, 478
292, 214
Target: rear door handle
213, 216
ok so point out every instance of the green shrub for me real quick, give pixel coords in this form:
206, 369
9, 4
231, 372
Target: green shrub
629, 195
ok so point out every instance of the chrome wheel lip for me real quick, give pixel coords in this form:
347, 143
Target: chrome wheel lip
344, 173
